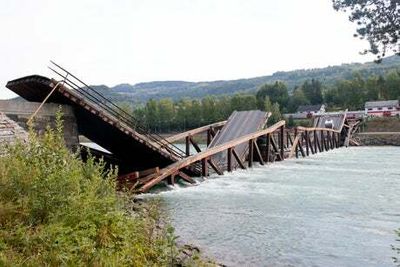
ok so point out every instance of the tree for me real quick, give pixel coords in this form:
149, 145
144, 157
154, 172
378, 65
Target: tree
297, 99
277, 92
276, 114
313, 91
378, 22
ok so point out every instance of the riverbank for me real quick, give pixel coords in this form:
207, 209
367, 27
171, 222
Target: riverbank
378, 138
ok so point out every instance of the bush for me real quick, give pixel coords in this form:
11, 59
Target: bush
57, 210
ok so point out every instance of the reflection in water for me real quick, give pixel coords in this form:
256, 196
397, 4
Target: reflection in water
337, 208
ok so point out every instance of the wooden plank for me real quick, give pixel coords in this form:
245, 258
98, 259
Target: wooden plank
192, 132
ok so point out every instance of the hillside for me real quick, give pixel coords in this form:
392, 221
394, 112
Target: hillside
177, 89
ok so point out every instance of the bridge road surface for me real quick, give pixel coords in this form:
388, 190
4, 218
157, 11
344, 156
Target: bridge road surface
337, 119
240, 123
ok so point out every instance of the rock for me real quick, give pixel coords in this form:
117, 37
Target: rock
10, 132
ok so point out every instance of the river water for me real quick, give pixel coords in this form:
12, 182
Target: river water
337, 208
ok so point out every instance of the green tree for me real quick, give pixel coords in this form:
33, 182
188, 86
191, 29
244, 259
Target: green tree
378, 22
151, 114
166, 114
392, 85
276, 114
313, 91
297, 99
277, 92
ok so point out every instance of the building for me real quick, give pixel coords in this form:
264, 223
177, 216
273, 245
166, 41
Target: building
311, 109
382, 108
306, 112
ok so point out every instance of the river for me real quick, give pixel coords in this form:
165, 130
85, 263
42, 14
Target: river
337, 208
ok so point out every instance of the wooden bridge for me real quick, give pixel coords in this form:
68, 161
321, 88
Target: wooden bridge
147, 159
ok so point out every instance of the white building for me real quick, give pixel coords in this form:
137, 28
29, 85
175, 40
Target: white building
382, 108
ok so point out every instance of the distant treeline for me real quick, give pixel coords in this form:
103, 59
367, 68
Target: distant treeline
166, 115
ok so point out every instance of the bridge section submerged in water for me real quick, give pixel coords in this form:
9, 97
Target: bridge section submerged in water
147, 159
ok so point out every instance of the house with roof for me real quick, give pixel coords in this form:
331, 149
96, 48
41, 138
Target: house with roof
382, 108
306, 112
311, 109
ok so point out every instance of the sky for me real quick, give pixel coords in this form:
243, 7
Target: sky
129, 41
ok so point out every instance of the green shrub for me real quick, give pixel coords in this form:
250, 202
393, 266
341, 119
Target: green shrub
57, 210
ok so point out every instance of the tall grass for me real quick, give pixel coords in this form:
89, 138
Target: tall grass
57, 210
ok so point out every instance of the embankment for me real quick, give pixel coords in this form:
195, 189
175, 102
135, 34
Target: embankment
378, 138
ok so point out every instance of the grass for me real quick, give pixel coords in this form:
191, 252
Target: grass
56, 210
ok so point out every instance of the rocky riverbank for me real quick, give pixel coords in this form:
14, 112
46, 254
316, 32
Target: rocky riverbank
378, 138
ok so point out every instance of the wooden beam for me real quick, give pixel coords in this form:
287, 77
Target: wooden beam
315, 141
198, 157
258, 153
204, 167
149, 171
294, 146
281, 139
215, 167
192, 132
322, 140
238, 160
229, 159
310, 143
275, 147
268, 147
307, 144
171, 179
195, 145
186, 177
187, 141
209, 136
251, 152
210, 161
300, 146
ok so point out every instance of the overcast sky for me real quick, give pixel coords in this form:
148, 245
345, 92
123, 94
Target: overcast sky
129, 41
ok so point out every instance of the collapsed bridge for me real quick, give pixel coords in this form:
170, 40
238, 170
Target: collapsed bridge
146, 159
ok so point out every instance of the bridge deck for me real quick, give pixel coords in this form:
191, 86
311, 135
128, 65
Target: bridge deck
136, 151
239, 124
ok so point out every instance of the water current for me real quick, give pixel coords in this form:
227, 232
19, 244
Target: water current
337, 208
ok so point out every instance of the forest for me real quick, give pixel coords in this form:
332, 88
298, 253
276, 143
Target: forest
168, 115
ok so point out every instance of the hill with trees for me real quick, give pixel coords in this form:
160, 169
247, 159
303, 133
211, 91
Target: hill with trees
328, 76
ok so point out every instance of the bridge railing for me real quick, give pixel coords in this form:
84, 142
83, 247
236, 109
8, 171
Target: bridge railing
90, 94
